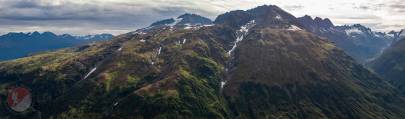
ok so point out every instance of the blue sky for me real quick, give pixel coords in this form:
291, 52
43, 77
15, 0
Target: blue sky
120, 16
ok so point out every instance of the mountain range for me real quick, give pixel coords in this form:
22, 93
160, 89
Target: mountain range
246, 64
359, 42
17, 45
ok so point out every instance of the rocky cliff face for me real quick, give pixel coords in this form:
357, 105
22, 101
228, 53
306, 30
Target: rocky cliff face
259, 63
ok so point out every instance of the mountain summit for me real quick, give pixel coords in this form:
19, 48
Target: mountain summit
258, 63
315, 24
185, 19
265, 16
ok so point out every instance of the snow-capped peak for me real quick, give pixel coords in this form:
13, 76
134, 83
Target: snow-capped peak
353, 31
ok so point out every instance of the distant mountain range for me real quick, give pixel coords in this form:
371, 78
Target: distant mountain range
17, 45
356, 40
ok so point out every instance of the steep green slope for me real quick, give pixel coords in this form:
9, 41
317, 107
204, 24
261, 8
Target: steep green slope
390, 65
294, 74
132, 78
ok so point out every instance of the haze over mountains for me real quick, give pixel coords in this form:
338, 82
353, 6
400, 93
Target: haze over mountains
256, 63
17, 45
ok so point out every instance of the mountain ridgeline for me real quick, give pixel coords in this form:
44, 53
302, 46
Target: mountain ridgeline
17, 45
356, 40
258, 63
183, 20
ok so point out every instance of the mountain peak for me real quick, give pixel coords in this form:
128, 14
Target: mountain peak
35, 33
48, 34
318, 19
361, 28
185, 19
193, 19
326, 23
316, 23
307, 17
268, 7
234, 18
185, 15
265, 15
270, 14
163, 22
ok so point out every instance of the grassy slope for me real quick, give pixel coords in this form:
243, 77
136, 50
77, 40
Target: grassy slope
289, 74
390, 65
183, 81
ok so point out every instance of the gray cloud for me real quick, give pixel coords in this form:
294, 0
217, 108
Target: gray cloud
120, 16
371, 6
293, 7
397, 7
69, 14
360, 17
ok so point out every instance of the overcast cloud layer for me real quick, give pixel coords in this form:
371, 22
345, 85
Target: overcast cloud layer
120, 16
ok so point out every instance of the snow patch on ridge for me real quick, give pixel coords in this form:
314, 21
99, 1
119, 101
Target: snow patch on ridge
91, 71
353, 31
240, 34
188, 26
391, 35
208, 25
160, 50
196, 26
278, 17
140, 32
184, 41
294, 28
223, 83
176, 21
